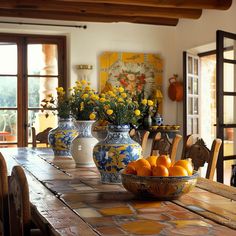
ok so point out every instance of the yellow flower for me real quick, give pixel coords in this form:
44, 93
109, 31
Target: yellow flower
81, 106
83, 82
121, 89
102, 99
137, 112
103, 95
123, 95
120, 100
150, 103
84, 96
60, 89
109, 112
87, 88
92, 116
144, 102
96, 97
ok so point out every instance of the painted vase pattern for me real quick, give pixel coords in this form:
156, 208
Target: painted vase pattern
113, 153
61, 137
82, 145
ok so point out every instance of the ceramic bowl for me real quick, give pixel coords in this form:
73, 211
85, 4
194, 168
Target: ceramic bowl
162, 188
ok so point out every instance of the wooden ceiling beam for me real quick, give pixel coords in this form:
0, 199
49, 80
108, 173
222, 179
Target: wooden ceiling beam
103, 9
196, 4
60, 15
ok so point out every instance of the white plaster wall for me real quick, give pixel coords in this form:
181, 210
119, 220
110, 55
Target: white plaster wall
84, 46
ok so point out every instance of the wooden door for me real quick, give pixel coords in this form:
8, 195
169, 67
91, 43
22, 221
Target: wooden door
226, 98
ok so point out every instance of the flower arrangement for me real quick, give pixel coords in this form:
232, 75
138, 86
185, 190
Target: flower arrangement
118, 107
83, 101
59, 105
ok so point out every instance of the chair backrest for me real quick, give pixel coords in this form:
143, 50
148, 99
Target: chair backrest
140, 136
174, 147
200, 154
161, 144
19, 203
41, 137
4, 196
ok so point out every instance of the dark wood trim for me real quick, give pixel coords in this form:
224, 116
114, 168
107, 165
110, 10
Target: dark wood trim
229, 61
232, 157
229, 93
185, 94
219, 102
208, 53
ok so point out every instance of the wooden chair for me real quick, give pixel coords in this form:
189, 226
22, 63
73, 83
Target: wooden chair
19, 205
140, 136
41, 137
4, 197
200, 154
174, 147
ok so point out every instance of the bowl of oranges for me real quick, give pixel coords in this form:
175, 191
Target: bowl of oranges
156, 177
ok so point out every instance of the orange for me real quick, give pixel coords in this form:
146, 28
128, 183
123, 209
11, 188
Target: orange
152, 160
144, 171
177, 171
163, 160
140, 163
132, 163
187, 164
160, 170
130, 170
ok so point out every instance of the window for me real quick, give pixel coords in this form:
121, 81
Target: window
32, 66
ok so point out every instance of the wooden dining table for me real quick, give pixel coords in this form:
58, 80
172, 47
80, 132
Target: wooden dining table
66, 200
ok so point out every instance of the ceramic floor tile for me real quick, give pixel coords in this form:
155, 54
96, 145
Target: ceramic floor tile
88, 212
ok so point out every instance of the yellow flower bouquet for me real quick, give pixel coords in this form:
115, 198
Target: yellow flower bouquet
83, 101
120, 107
59, 105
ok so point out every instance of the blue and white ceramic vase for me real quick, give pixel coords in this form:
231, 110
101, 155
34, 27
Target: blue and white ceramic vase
61, 137
82, 145
157, 119
113, 153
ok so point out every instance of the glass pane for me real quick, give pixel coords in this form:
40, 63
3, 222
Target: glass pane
190, 65
195, 106
38, 120
196, 66
229, 49
229, 77
190, 106
8, 126
195, 86
39, 88
229, 107
8, 58
8, 91
228, 170
190, 85
190, 126
47, 58
195, 126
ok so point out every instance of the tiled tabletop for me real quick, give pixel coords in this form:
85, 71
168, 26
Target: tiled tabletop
73, 201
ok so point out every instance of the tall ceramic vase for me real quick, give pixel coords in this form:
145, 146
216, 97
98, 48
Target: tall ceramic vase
82, 145
113, 153
61, 137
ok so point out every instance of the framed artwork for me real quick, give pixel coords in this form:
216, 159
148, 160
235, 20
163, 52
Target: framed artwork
136, 72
